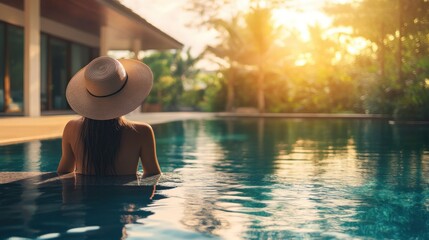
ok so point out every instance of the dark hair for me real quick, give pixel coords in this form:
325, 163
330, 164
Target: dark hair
101, 140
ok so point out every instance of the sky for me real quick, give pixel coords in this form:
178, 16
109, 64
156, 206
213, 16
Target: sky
171, 17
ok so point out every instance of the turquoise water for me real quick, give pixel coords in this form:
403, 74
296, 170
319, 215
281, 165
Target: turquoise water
239, 179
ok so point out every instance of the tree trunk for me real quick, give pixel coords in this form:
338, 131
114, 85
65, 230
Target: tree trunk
261, 97
400, 32
230, 90
382, 53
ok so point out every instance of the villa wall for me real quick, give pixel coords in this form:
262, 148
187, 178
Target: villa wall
62, 51
15, 16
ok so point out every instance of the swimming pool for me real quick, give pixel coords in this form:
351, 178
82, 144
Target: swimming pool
238, 179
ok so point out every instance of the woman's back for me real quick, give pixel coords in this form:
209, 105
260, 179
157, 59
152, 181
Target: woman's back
136, 140
102, 142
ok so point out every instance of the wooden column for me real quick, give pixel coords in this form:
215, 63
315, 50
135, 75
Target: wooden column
104, 40
137, 46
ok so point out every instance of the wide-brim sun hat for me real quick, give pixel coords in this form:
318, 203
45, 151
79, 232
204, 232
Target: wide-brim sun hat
107, 88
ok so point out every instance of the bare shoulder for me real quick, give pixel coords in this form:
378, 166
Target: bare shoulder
72, 127
142, 129
73, 124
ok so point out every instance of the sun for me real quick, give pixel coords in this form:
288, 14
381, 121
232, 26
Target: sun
300, 20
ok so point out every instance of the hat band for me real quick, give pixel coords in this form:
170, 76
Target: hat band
111, 94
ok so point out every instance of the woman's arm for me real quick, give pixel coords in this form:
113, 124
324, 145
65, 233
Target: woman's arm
148, 151
67, 163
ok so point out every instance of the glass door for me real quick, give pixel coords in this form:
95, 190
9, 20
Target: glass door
44, 94
14, 80
60, 60
58, 74
2, 66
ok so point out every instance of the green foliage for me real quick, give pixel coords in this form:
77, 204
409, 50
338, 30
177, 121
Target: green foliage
179, 85
160, 63
205, 96
414, 103
172, 70
214, 95
277, 71
399, 30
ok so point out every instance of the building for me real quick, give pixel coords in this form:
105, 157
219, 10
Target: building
44, 42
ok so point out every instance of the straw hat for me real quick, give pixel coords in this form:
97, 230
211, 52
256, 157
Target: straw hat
107, 88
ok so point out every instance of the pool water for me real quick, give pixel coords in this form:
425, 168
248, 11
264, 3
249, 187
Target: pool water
238, 179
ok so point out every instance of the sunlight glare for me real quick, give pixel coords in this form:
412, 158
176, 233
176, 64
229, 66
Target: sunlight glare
300, 62
356, 45
303, 59
341, 1
300, 20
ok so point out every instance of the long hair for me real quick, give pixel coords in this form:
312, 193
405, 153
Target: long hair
101, 141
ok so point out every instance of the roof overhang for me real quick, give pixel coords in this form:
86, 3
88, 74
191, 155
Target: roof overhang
126, 30
128, 25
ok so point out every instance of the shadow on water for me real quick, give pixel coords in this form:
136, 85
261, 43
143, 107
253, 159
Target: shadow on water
74, 207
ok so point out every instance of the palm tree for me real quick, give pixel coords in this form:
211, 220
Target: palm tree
231, 50
248, 43
183, 70
262, 52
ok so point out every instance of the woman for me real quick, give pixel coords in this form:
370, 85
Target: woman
102, 142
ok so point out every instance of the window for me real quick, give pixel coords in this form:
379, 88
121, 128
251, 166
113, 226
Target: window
59, 59
59, 73
11, 68
15, 62
2, 65
80, 56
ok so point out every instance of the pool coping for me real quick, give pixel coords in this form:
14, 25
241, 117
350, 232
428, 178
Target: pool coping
23, 129
304, 115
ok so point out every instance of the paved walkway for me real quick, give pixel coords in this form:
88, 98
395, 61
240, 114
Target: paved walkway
21, 129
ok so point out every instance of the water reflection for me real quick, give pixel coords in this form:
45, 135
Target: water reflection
192, 206
34, 156
249, 178
266, 178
